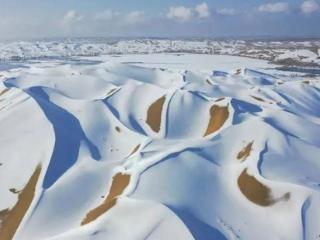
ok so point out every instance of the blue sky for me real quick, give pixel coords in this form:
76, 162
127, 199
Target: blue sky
165, 18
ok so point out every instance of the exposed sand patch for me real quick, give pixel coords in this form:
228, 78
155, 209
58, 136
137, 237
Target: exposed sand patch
245, 152
13, 190
118, 129
11, 218
306, 82
3, 214
119, 183
209, 82
136, 148
155, 113
4, 91
218, 116
112, 91
256, 192
258, 98
219, 99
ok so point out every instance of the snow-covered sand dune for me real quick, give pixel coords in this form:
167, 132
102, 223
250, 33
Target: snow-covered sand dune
158, 147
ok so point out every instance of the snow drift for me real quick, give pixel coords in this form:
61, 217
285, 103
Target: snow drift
119, 151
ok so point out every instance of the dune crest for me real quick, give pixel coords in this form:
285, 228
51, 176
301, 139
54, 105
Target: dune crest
166, 156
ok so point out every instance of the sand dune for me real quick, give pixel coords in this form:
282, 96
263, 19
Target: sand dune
158, 147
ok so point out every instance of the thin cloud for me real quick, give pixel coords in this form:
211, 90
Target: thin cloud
202, 10
106, 15
185, 14
193, 20
277, 7
180, 13
310, 6
117, 18
71, 17
227, 11
135, 17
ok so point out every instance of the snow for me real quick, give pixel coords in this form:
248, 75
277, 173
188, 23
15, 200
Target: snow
83, 120
274, 51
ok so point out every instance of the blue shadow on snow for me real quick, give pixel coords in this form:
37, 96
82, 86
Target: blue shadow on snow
68, 135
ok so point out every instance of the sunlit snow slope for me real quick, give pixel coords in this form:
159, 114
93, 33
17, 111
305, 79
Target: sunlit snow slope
113, 150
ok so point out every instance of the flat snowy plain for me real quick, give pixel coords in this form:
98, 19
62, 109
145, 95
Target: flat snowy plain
158, 146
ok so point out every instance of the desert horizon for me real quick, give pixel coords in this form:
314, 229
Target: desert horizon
207, 130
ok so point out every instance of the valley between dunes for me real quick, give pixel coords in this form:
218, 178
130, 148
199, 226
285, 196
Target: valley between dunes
158, 146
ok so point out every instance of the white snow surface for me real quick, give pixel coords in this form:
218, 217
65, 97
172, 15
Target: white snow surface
303, 52
64, 115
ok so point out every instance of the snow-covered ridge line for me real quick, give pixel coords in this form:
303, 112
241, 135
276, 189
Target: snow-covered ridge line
131, 151
293, 53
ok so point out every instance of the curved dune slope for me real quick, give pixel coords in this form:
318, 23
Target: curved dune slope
117, 151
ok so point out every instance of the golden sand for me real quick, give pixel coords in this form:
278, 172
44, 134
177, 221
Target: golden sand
245, 152
256, 192
306, 82
155, 113
218, 116
209, 82
136, 148
11, 218
4, 91
119, 183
